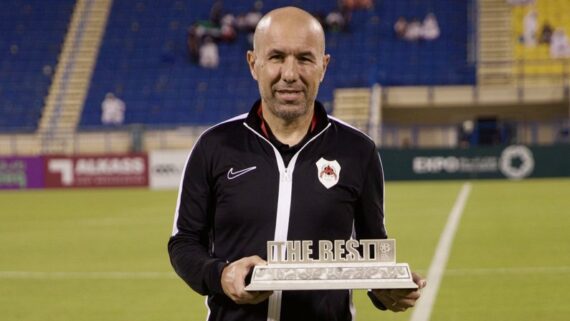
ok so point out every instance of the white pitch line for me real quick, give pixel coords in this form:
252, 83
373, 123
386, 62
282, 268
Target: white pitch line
86, 275
422, 311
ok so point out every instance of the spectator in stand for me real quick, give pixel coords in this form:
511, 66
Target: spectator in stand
209, 55
358, 4
559, 46
216, 13
400, 27
430, 27
251, 19
227, 29
413, 30
545, 33
335, 21
193, 44
530, 26
113, 110
465, 133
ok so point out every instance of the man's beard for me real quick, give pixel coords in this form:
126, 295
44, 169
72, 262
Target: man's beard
289, 114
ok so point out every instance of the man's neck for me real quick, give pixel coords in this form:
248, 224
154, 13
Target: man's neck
288, 132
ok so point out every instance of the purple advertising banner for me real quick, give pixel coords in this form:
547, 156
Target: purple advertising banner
21, 172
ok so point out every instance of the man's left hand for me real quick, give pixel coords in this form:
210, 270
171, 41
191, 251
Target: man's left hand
399, 300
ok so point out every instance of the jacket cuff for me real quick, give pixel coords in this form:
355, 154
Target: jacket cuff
376, 302
215, 277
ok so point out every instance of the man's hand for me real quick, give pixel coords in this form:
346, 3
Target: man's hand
233, 281
399, 300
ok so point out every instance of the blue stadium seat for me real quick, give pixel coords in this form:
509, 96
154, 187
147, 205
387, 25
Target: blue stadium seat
31, 37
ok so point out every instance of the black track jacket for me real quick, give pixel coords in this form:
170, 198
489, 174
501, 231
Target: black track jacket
237, 193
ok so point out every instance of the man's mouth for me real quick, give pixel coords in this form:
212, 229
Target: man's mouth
289, 94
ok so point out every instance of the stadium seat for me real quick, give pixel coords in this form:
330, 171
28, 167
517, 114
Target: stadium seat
31, 37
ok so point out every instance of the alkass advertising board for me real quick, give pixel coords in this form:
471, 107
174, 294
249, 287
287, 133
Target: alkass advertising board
96, 171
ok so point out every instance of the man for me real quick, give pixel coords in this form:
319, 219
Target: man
113, 110
285, 171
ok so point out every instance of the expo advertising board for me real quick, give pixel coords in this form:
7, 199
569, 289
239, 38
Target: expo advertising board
511, 162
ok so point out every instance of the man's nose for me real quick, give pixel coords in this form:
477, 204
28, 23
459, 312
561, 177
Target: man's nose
289, 71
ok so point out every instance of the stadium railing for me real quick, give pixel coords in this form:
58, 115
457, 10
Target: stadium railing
129, 138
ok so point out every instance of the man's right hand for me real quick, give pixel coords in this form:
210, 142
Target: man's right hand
233, 281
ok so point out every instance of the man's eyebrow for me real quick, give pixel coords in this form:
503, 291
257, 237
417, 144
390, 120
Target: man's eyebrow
282, 53
276, 52
306, 54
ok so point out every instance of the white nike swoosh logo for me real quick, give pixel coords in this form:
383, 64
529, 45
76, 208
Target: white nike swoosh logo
232, 174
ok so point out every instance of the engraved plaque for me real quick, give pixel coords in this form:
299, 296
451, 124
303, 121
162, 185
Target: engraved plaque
364, 264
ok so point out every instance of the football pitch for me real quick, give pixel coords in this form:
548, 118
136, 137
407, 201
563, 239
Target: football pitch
100, 255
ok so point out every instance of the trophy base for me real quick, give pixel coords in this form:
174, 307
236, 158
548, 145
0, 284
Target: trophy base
331, 276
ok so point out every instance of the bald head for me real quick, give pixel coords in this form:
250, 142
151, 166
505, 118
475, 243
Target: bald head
288, 19
288, 62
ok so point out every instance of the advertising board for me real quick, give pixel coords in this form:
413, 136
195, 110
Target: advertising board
511, 162
96, 171
166, 167
21, 172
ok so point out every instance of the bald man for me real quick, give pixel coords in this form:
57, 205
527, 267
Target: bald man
284, 171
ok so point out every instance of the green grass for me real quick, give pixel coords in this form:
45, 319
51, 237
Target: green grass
509, 260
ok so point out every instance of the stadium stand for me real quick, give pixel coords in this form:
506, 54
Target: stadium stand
401, 93
31, 35
536, 59
143, 58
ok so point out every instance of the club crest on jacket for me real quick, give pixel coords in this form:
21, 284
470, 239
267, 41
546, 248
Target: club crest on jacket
328, 172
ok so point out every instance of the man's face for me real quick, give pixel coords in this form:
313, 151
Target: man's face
288, 63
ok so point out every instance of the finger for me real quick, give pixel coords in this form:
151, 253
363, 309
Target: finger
233, 279
246, 297
253, 297
256, 260
400, 309
261, 296
245, 265
419, 280
383, 296
406, 294
396, 306
406, 303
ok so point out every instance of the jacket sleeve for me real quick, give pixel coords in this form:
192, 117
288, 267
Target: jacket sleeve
369, 220
369, 216
190, 242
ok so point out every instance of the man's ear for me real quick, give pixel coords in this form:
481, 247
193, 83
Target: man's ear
326, 60
251, 63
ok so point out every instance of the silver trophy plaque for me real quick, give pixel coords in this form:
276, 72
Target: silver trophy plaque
352, 264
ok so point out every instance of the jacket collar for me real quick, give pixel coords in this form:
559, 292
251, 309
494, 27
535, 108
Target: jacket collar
255, 121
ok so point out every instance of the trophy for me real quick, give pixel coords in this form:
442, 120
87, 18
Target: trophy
351, 264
